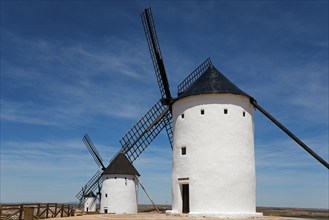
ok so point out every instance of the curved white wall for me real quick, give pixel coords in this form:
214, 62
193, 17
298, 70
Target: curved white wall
219, 164
90, 204
119, 194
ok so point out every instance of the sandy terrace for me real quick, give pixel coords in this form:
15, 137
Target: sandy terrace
152, 216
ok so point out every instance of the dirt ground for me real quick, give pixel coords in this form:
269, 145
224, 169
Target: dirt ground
155, 216
147, 212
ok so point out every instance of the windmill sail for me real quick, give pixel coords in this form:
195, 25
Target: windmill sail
154, 47
190, 79
169, 129
92, 185
159, 68
93, 151
290, 134
144, 131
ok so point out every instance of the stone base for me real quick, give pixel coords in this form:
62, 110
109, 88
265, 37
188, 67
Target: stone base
218, 215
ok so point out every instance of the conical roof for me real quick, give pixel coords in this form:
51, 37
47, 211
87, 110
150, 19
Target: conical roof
90, 195
212, 82
121, 165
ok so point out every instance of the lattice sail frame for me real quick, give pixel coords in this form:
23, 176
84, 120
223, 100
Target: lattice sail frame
92, 185
169, 129
190, 79
156, 56
144, 131
93, 151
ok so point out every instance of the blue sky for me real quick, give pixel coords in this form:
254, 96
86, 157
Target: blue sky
71, 67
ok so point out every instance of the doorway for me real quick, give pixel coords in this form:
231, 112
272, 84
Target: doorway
185, 198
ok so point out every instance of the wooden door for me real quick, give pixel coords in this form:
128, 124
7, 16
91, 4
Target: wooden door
186, 198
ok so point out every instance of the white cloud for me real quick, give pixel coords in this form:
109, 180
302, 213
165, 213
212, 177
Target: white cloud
89, 83
45, 167
48, 166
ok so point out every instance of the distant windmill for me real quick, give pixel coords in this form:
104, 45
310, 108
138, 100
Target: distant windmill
93, 187
90, 202
212, 142
116, 185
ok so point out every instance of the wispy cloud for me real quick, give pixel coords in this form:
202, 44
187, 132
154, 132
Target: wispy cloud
89, 83
52, 162
43, 166
284, 168
286, 153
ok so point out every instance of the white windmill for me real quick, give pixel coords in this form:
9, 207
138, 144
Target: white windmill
90, 202
212, 138
213, 155
119, 193
117, 184
211, 131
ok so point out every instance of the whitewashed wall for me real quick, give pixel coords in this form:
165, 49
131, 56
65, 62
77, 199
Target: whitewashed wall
219, 164
90, 204
119, 194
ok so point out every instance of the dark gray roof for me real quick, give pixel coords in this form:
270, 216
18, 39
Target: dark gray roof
90, 194
212, 82
121, 165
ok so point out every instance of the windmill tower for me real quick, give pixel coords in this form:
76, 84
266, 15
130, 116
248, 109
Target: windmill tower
213, 155
119, 192
90, 202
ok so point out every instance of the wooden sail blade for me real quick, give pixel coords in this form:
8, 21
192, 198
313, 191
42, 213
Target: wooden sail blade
93, 151
91, 185
190, 79
290, 134
154, 47
169, 129
144, 131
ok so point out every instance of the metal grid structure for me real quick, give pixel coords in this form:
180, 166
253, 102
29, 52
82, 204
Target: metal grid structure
92, 185
169, 129
143, 133
190, 79
154, 47
93, 151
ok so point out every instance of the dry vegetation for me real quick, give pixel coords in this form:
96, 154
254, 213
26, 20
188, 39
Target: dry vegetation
320, 214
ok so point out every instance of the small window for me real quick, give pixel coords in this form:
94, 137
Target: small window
106, 195
202, 111
244, 114
183, 150
182, 115
225, 111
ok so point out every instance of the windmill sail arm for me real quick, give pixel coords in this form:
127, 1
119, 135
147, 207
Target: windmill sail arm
169, 129
190, 79
154, 47
144, 131
93, 151
91, 185
290, 134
